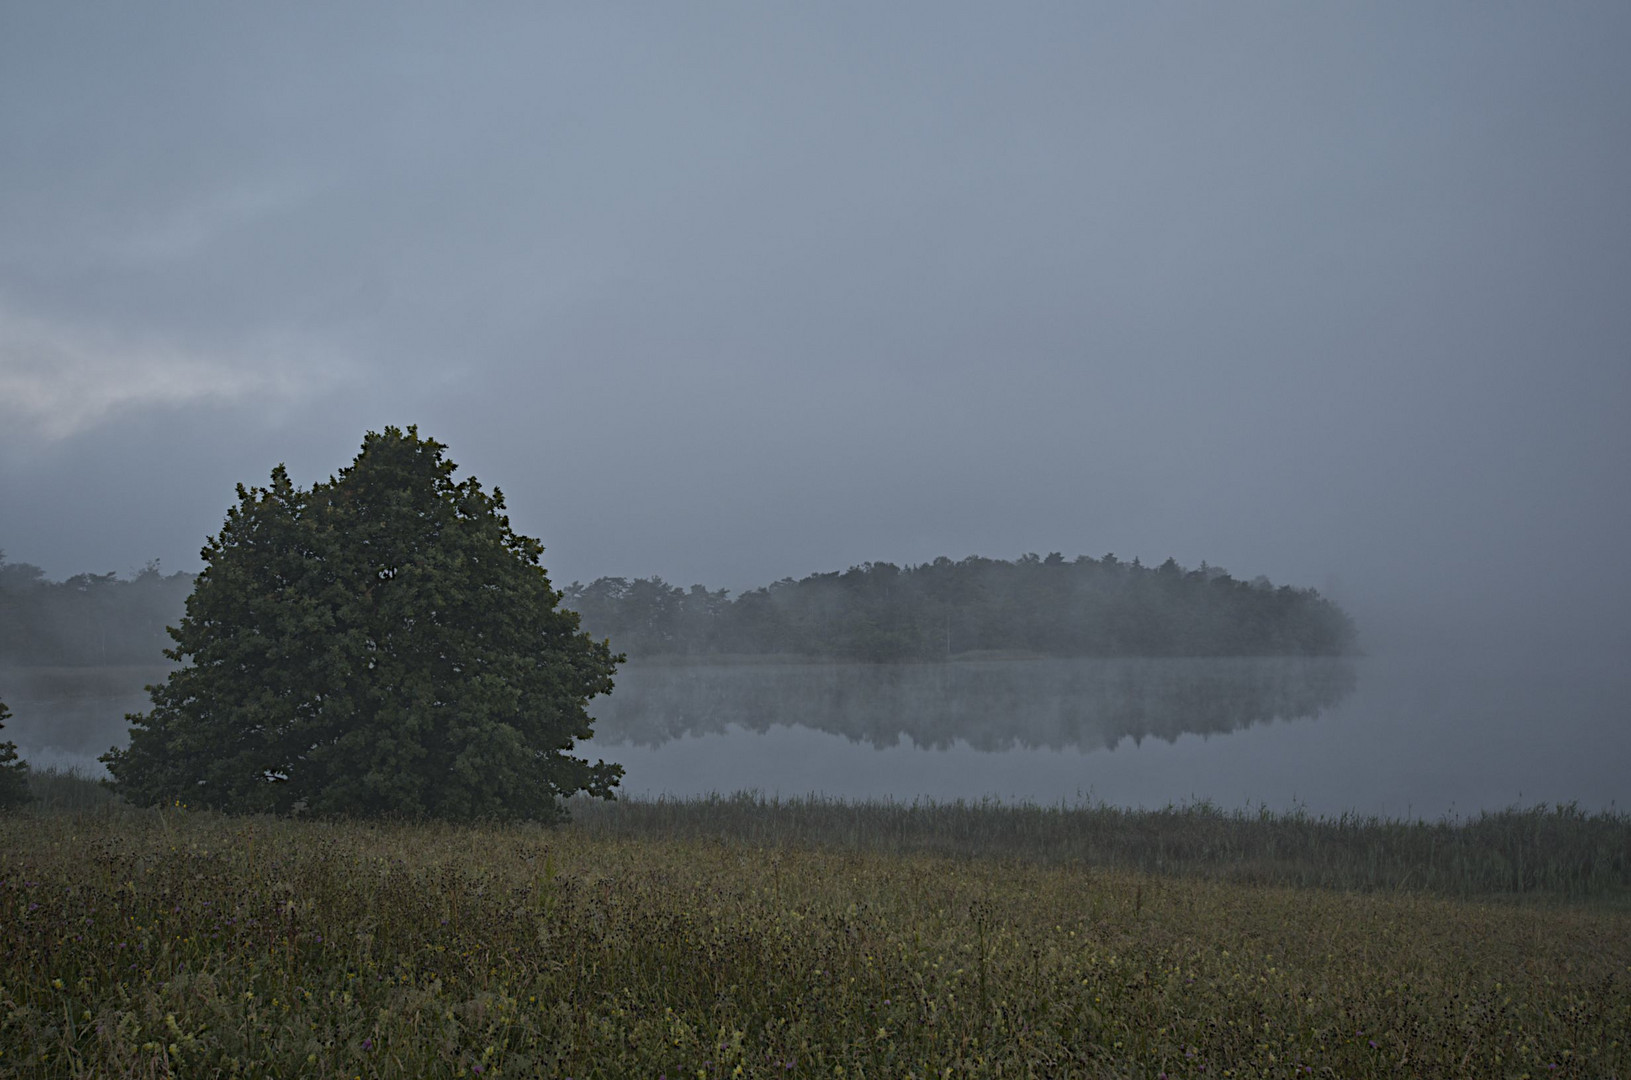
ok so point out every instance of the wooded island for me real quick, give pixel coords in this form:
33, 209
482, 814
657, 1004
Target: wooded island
1049, 606
1045, 606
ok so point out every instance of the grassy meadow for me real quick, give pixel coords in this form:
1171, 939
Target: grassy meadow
745, 937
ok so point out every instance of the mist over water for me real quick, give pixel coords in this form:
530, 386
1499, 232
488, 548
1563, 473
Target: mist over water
987, 705
1398, 734
66, 717
1419, 731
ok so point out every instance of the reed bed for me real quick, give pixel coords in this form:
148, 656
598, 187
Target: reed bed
159, 943
1545, 853
55, 791
1539, 853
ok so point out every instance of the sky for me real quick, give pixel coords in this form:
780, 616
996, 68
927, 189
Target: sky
1336, 293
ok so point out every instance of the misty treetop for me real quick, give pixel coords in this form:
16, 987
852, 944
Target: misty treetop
1045, 606
876, 611
381, 643
89, 619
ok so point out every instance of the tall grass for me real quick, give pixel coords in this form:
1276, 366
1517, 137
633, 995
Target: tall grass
57, 791
1559, 852
1540, 853
171, 943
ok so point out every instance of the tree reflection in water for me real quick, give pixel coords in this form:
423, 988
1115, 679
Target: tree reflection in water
994, 705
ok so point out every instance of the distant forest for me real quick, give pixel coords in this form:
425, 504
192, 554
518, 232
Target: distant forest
1044, 606
877, 611
88, 620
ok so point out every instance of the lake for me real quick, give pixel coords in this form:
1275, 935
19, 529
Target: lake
1396, 735
1403, 734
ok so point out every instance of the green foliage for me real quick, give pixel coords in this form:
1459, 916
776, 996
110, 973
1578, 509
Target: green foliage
13, 770
382, 644
1045, 606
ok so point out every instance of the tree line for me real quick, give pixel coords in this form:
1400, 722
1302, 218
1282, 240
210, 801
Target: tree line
89, 619
1048, 606
877, 611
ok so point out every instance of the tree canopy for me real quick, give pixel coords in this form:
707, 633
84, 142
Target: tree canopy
1048, 606
382, 643
89, 620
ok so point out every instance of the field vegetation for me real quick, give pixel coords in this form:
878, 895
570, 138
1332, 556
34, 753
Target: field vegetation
1537, 853
741, 937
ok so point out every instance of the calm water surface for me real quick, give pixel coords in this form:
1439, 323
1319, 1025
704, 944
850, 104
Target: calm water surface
1391, 735
1403, 734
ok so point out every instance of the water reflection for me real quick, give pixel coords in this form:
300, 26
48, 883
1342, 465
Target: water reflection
1425, 732
991, 705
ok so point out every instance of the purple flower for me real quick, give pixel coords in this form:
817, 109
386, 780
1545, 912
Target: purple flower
368, 1044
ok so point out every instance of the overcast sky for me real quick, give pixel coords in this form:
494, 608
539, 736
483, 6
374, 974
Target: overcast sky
1336, 293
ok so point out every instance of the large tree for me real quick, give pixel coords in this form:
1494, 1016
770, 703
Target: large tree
383, 643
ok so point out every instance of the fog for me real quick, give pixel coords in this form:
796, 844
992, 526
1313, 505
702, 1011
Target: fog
1335, 294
